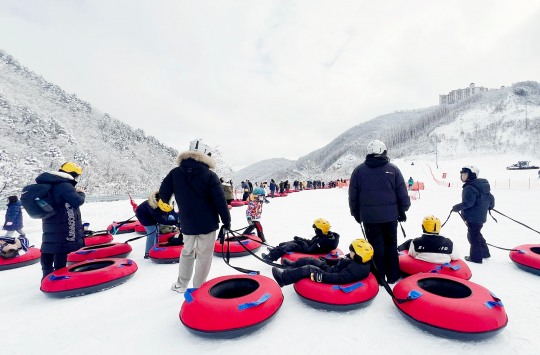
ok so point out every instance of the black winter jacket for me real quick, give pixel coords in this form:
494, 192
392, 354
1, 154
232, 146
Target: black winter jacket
198, 193
319, 244
345, 271
63, 232
149, 214
476, 201
377, 191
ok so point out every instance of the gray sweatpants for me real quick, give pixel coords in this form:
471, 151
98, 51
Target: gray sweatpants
200, 247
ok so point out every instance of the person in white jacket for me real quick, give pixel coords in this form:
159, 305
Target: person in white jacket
431, 246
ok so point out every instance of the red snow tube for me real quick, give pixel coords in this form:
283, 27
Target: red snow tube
237, 203
163, 254
31, 257
527, 257
338, 297
88, 277
237, 245
450, 306
164, 238
110, 250
229, 306
139, 228
123, 227
293, 256
411, 266
96, 239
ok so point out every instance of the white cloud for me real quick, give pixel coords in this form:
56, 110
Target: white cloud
268, 78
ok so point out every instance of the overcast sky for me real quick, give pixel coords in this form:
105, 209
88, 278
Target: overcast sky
268, 79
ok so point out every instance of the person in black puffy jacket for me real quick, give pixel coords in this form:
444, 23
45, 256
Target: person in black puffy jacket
151, 213
378, 198
351, 268
324, 241
477, 200
201, 204
63, 232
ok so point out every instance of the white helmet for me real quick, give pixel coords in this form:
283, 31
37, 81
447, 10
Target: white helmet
198, 146
376, 147
473, 169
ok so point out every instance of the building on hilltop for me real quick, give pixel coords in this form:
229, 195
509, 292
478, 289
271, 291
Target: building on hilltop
460, 94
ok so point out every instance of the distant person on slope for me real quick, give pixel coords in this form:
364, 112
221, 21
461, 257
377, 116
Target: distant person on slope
227, 190
254, 212
378, 198
323, 242
476, 201
410, 182
431, 246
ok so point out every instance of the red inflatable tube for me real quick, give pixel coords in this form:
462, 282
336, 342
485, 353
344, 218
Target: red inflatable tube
139, 228
164, 238
527, 257
293, 256
229, 306
110, 250
31, 257
411, 266
123, 227
88, 277
338, 297
163, 254
237, 246
237, 203
449, 306
96, 239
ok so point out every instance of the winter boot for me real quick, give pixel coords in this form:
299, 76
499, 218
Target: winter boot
278, 276
468, 258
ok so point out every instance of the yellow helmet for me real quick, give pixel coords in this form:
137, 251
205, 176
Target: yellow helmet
363, 249
165, 207
431, 224
322, 224
71, 167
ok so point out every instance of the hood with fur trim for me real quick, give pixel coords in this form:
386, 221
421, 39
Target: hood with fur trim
152, 200
200, 157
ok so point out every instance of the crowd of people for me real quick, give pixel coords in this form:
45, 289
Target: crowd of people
378, 200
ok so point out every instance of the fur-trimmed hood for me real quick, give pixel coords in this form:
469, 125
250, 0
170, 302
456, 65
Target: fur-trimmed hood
200, 157
152, 201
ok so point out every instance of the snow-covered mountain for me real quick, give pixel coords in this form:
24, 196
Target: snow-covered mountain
505, 120
42, 126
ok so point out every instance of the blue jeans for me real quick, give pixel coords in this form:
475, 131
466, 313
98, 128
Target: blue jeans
151, 237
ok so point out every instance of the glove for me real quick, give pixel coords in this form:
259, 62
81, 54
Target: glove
316, 276
402, 217
227, 226
456, 208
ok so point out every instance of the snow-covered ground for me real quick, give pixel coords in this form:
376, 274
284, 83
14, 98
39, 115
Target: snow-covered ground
141, 316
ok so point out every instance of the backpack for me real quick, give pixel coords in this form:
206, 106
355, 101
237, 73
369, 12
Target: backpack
37, 201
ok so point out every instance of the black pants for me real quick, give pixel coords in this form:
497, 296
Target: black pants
479, 248
302, 269
286, 247
383, 238
59, 260
255, 225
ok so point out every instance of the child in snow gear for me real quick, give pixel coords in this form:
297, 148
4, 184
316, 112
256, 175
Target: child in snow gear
63, 232
254, 212
476, 201
324, 241
410, 183
351, 268
151, 213
10, 247
431, 246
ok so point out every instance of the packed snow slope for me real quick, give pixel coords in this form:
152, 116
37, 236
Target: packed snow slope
141, 316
